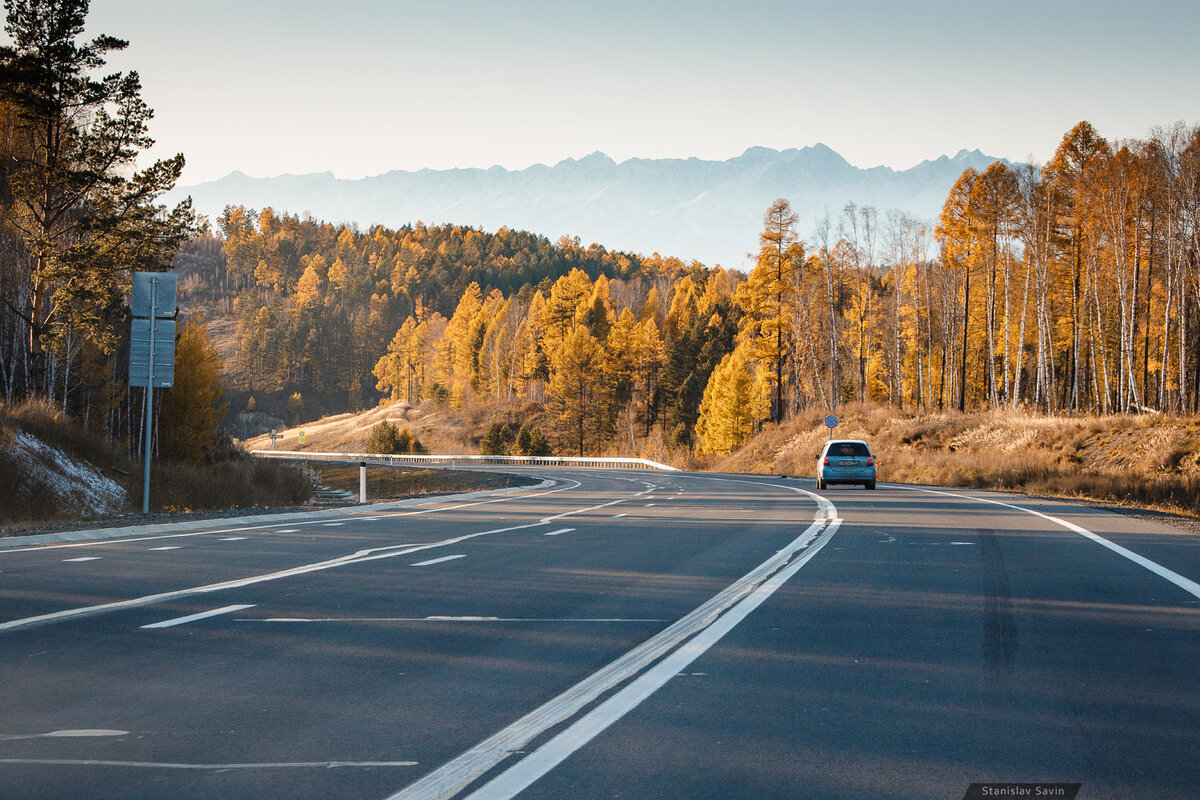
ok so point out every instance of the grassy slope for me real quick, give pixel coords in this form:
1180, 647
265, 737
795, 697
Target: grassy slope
440, 429
234, 482
1149, 461
388, 483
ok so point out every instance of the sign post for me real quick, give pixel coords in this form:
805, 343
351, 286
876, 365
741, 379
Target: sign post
831, 422
151, 350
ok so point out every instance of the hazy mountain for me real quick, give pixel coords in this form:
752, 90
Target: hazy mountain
706, 210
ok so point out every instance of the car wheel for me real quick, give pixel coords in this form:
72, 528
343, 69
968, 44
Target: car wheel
869, 484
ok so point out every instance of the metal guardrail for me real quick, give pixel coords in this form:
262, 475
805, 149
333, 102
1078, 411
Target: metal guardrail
452, 461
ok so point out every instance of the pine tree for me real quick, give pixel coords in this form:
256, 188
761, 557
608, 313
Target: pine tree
733, 403
192, 411
85, 215
574, 383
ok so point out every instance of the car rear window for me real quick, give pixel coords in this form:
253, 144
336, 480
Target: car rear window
850, 449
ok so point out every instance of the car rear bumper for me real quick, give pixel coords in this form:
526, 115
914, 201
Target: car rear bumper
848, 475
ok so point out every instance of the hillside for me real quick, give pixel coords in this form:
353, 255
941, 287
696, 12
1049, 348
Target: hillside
54, 470
689, 208
1146, 461
1150, 461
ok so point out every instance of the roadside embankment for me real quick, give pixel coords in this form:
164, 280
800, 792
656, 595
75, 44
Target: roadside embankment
1150, 461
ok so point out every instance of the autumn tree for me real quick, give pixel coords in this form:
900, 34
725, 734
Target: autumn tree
733, 404
574, 383
956, 232
768, 297
191, 410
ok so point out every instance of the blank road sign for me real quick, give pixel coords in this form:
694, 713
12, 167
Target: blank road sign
164, 353
143, 284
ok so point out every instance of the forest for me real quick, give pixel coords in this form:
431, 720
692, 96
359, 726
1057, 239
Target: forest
1070, 287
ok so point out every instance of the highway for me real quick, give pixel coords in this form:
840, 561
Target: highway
611, 634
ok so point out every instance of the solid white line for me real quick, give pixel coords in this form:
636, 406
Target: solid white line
84, 558
79, 762
518, 777
169, 623
1189, 586
455, 775
450, 619
557, 532
433, 561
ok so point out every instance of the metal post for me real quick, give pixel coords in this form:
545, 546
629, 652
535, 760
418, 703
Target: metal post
362, 481
148, 427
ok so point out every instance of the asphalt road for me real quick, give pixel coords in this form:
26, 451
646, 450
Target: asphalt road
616, 634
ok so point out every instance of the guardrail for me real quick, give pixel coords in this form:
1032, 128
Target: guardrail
453, 461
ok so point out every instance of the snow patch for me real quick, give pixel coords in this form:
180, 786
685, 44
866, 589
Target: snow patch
79, 486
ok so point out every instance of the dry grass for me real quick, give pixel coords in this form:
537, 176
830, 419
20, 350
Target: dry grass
235, 481
243, 482
392, 483
1146, 461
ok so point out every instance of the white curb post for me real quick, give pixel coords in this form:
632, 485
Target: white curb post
362, 481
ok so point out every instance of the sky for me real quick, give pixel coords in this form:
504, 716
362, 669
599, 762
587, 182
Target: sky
361, 87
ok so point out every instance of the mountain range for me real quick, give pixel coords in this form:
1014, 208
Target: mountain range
709, 211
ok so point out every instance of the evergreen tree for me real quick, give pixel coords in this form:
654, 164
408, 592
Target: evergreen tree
192, 411
84, 214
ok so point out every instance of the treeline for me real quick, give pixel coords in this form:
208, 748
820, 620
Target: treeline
1071, 287
1075, 287
317, 303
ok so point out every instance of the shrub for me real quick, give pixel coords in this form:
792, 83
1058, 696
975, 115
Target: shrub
532, 442
386, 439
497, 441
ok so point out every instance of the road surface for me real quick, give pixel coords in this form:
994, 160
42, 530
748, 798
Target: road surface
611, 634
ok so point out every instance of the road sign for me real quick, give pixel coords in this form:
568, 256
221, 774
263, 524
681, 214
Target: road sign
153, 294
151, 350
831, 422
164, 353
302, 438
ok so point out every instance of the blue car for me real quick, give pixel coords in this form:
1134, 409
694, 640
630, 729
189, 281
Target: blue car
845, 461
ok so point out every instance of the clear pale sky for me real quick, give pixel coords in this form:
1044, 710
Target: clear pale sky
360, 87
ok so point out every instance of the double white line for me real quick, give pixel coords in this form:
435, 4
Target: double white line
673, 649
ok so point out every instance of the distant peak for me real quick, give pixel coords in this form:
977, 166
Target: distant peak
759, 152
596, 157
593, 160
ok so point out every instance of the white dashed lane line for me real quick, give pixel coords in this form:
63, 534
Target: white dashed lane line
234, 539
333, 524
169, 623
560, 530
618, 516
84, 558
433, 561
169, 547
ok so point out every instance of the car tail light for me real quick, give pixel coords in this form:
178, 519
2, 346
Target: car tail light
827, 461
870, 461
